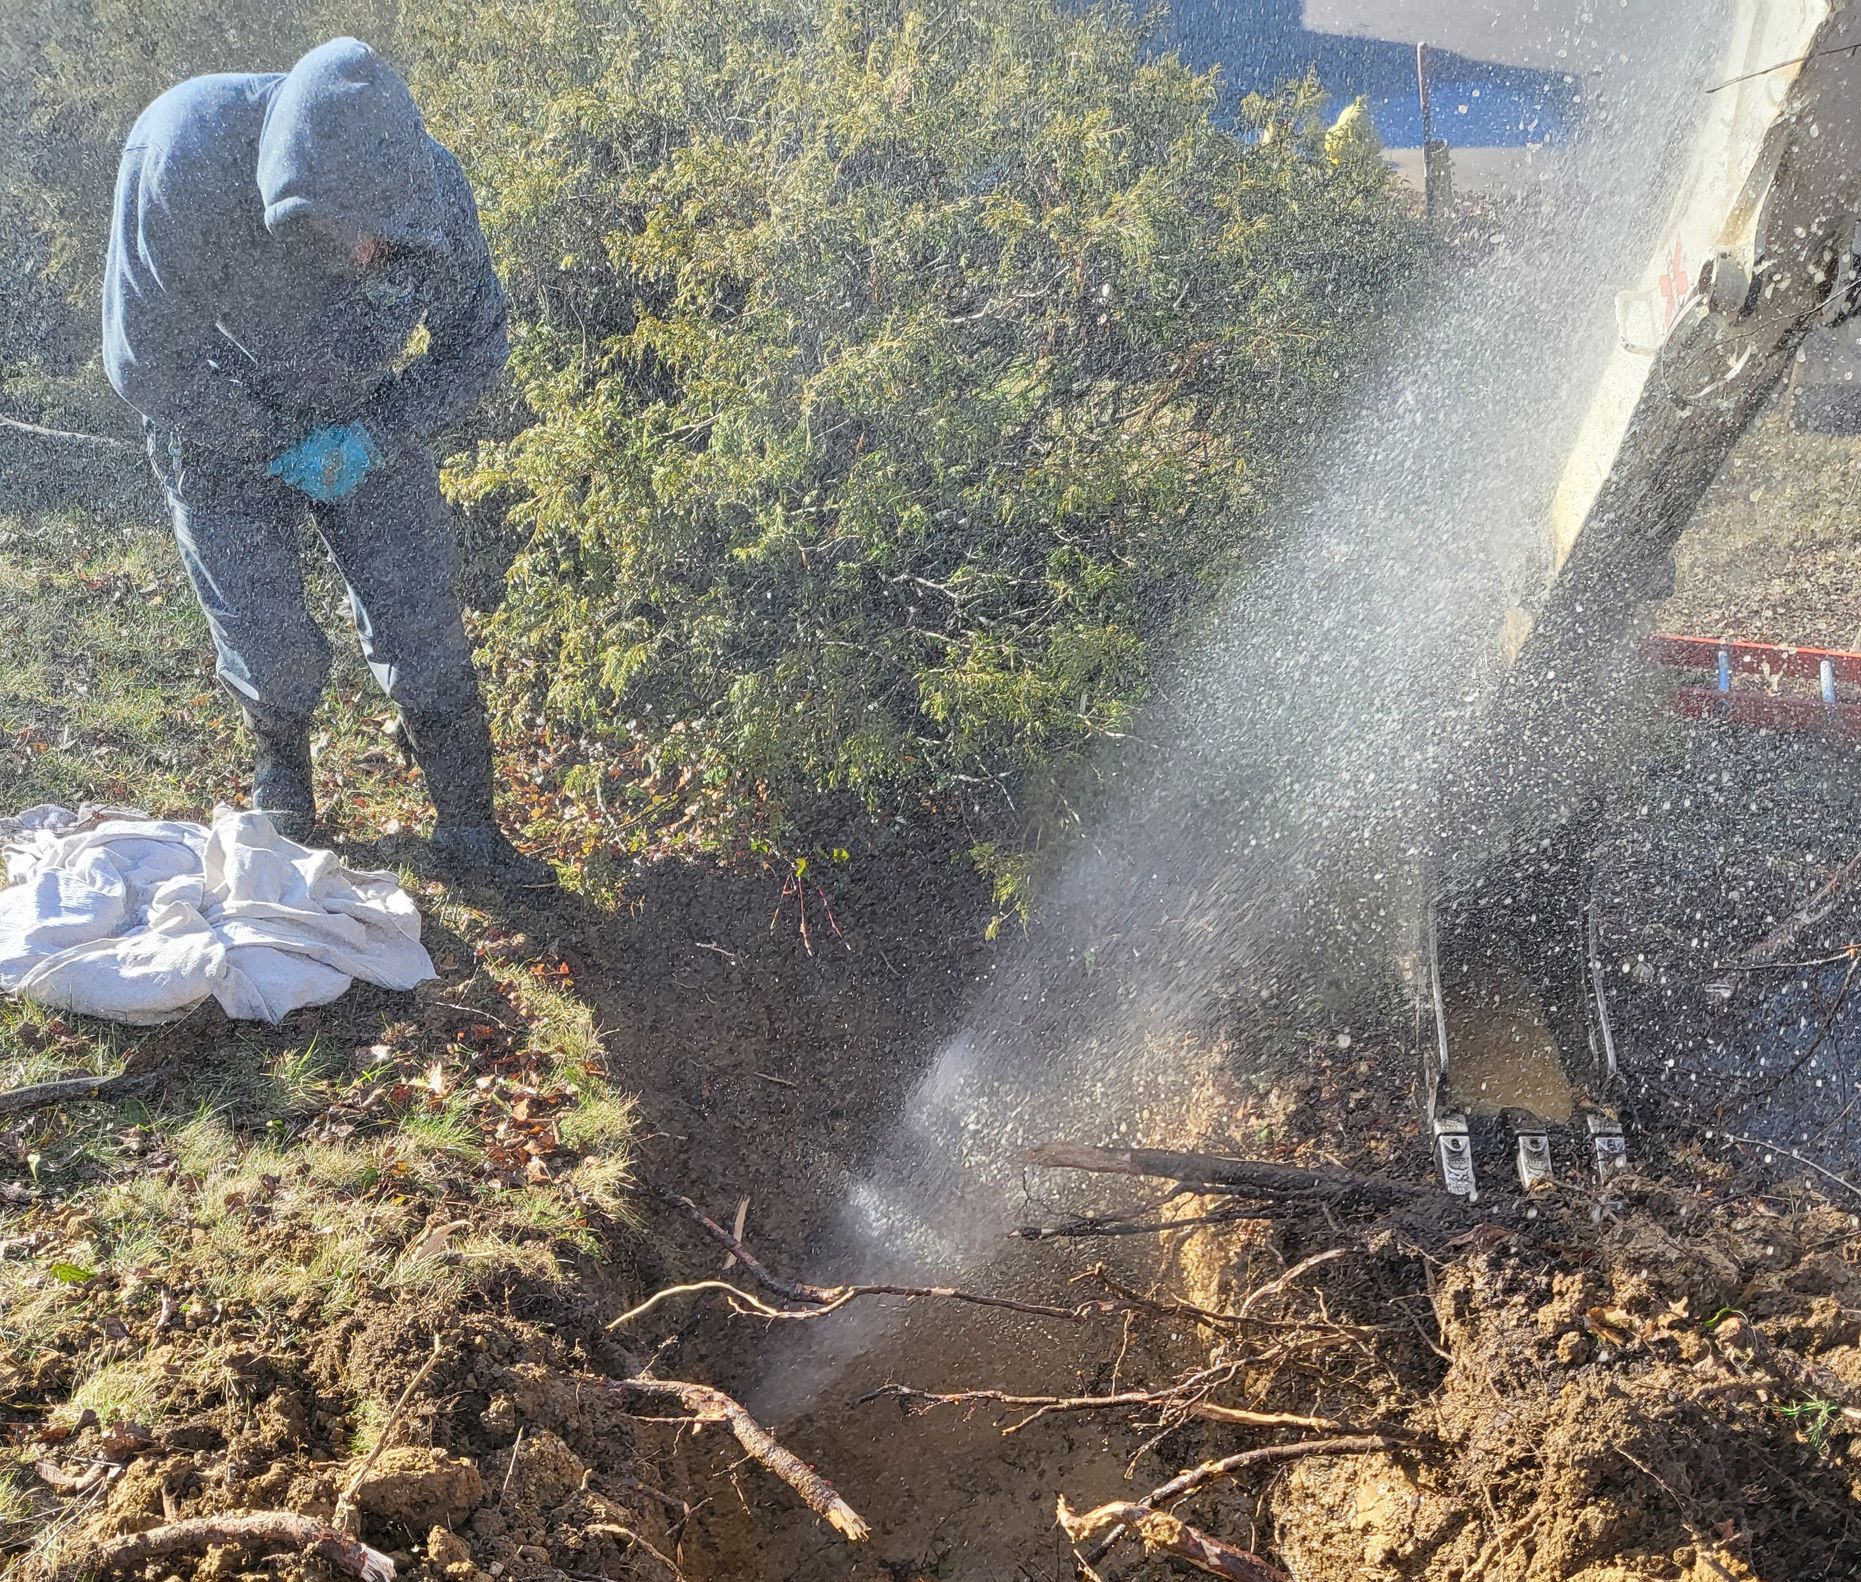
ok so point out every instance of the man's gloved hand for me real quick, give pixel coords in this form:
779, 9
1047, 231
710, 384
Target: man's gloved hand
329, 464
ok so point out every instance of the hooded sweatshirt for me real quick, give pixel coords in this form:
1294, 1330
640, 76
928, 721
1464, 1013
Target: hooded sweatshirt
234, 315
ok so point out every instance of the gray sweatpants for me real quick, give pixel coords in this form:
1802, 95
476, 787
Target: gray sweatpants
392, 541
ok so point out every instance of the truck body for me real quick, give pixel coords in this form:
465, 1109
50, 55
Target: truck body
1755, 254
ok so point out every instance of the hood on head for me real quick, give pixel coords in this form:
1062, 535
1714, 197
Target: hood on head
343, 148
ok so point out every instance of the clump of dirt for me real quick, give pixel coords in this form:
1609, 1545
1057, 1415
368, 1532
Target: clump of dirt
509, 1459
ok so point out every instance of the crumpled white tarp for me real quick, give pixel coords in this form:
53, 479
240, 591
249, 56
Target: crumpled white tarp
115, 914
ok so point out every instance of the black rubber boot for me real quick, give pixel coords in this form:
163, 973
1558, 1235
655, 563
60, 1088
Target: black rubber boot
282, 788
454, 753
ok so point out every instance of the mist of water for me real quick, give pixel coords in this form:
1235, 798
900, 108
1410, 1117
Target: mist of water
1268, 843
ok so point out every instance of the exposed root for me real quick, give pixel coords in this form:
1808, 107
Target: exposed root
1041, 1406
1170, 1535
713, 1406
1213, 1173
824, 1299
348, 1515
257, 1530
634, 1541
1186, 1483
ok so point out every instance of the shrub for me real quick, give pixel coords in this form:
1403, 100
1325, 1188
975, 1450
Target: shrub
902, 375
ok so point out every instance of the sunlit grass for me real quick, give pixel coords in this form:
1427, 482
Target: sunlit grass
118, 1392
270, 1176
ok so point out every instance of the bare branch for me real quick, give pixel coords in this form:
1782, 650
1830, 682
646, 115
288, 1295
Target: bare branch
255, 1530
709, 1405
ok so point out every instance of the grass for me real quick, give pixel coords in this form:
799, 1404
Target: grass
1813, 1418
281, 1176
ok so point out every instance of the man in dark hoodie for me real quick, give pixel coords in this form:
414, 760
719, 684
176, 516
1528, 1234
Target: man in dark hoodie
277, 240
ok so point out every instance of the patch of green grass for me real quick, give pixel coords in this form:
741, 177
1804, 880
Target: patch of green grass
16, 1507
1813, 1417
103, 651
118, 1392
274, 1176
560, 1025
444, 1129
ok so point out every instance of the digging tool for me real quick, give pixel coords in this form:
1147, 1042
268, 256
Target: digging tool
1756, 252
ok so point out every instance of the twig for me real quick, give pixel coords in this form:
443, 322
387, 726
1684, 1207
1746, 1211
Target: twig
825, 1298
123, 1084
254, 1530
1047, 1405
1768, 949
743, 1219
617, 1530
1822, 1032
510, 1471
67, 434
474, 1011
1188, 1482
1790, 1153
1170, 1535
1274, 1287
348, 1516
1783, 65
714, 1406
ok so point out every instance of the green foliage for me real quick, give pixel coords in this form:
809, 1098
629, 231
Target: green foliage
902, 374
897, 377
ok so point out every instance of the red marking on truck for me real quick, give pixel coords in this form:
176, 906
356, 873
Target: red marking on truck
1676, 285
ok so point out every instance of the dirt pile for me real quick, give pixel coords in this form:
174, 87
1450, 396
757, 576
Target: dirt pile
505, 1462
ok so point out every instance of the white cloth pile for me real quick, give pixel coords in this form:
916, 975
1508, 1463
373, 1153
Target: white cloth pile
114, 914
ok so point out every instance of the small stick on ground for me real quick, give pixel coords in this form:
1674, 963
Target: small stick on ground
1170, 1535
124, 1084
255, 1530
713, 1406
1770, 949
736, 1230
628, 1536
1188, 1482
1791, 1154
348, 1515
1273, 1287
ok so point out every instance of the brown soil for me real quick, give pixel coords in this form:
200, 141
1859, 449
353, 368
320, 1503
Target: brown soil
1663, 1382
1660, 1384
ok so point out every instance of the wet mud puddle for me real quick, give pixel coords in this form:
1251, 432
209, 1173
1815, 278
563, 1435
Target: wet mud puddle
1504, 1054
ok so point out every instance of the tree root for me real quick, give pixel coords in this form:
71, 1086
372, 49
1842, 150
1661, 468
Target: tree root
124, 1084
1170, 1535
820, 1300
260, 1530
1039, 1406
713, 1406
1212, 1173
1188, 1482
